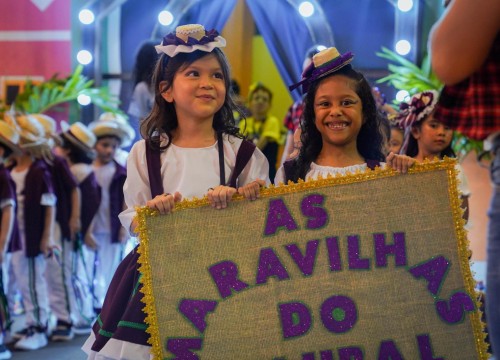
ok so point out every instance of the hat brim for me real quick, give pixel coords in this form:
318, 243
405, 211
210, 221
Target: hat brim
322, 71
13, 147
172, 50
73, 140
102, 130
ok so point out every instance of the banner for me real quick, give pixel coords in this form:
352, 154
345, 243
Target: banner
371, 265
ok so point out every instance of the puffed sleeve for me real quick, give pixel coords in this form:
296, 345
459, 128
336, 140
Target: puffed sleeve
463, 185
136, 189
7, 193
280, 176
257, 168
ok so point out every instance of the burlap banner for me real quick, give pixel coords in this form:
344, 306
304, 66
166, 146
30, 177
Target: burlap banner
364, 266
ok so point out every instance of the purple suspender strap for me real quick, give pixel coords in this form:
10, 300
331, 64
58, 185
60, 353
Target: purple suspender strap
244, 154
154, 170
153, 161
372, 164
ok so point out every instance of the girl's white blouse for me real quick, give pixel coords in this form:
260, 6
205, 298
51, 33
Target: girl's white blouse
318, 170
190, 171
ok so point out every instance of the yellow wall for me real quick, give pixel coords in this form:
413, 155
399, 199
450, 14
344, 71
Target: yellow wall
264, 70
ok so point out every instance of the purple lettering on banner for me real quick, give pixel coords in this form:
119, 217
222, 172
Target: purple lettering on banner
326, 355
434, 271
318, 217
332, 245
454, 312
425, 348
389, 351
295, 319
308, 356
338, 314
270, 265
306, 262
196, 311
278, 216
225, 276
350, 353
355, 262
181, 348
398, 249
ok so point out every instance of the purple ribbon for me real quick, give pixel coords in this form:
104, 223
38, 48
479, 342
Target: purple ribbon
172, 39
408, 113
311, 73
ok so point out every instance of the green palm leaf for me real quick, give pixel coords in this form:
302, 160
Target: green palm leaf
405, 75
48, 95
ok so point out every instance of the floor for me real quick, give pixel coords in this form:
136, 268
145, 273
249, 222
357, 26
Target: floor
70, 350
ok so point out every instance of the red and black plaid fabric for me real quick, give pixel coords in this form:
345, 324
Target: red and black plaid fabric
472, 107
293, 116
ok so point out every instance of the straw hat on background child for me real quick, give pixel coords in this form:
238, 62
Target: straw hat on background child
115, 125
49, 125
32, 136
9, 137
80, 136
126, 134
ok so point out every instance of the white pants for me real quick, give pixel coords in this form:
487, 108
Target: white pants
69, 289
30, 278
102, 264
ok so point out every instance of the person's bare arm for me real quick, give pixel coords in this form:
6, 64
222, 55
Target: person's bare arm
6, 225
47, 242
461, 40
74, 221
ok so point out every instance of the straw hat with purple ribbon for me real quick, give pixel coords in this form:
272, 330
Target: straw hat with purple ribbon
189, 38
324, 63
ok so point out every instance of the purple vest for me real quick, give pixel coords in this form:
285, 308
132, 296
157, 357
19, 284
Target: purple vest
91, 198
8, 191
64, 184
116, 201
38, 182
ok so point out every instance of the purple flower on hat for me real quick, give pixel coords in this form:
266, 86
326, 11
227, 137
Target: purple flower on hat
189, 38
420, 105
418, 108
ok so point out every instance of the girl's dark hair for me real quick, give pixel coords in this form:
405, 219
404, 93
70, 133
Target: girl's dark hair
412, 149
163, 117
109, 137
7, 151
370, 139
145, 62
76, 155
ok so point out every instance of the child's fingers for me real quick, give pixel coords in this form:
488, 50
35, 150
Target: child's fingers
400, 163
177, 197
220, 196
163, 203
251, 191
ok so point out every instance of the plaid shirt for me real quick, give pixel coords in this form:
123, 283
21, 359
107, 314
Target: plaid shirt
293, 116
472, 107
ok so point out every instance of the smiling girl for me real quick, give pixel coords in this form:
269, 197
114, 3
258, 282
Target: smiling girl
341, 129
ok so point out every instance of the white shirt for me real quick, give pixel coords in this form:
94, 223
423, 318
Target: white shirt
104, 176
190, 171
316, 171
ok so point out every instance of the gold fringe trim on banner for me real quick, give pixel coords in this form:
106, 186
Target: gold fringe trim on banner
447, 164
478, 325
147, 281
